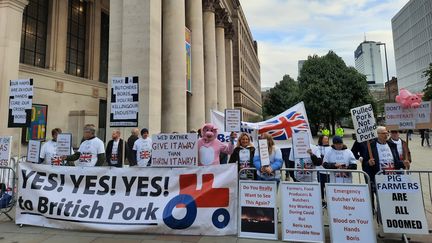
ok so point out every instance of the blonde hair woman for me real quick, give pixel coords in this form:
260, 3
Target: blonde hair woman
243, 156
269, 172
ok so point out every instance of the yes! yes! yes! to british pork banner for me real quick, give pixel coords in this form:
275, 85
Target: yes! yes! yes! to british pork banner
194, 201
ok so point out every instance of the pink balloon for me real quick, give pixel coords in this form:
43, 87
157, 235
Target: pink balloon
408, 100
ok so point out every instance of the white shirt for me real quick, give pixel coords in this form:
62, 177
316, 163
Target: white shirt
49, 153
114, 153
399, 147
143, 149
89, 150
323, 150
305, 163
344, 156
385, 157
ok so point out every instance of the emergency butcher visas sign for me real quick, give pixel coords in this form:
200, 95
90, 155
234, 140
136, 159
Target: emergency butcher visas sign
364, 123
124, 102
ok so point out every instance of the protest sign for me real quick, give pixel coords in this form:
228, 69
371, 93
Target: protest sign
124, 102
170, 150
402, 208
364, 123
189, 201
64, 144
232, 120
301, 143
302, 212
258, 216
20, 102
33, 151
5, 150
350, 213
264, 154
397, 117
38, 124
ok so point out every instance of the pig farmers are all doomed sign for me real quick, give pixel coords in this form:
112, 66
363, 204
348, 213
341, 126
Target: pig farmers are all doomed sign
364, 123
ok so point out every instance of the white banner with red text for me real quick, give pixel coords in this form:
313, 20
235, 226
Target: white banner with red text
192, 201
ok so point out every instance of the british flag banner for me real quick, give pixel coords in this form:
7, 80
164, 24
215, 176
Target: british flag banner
280, 126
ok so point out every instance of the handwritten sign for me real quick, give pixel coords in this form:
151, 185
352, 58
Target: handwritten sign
5, 150
301, 143
264, 154
364, 123
33, 151
232, 120
170, 150
64, 144
20, 102
258, 216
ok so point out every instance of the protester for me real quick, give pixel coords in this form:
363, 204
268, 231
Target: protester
402, 148
340, 157
48, 154
91, 151
323, 147
424, 134
210, 148
141, 150
409, 134
269, 172
114, 150
310, 162
130, 143
243, 156
326, 132
340, 131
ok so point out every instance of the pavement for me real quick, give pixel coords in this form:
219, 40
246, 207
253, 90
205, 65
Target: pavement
11, 233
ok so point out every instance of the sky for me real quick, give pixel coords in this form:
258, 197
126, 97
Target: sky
291, 30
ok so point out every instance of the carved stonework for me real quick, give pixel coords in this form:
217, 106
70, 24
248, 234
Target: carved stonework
229, 31
209, 5
221, 17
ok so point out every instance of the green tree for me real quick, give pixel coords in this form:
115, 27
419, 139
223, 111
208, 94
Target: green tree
428, 88
281, 97
330, 89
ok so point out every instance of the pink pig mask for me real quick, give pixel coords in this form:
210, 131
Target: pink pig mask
208, 132
408, 100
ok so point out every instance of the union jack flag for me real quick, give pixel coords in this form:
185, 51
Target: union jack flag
280, 127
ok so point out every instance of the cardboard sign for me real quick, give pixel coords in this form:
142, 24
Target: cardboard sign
258, 214
350, 213
64, 144
302, 212
124, 102
301, 143
33, 151
232, 120
401, 204
170, 150
364, 123
5, 150
264, 154
397, 117
20, 102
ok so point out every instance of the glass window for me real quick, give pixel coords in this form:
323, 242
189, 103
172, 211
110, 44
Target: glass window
34, 33
75, 51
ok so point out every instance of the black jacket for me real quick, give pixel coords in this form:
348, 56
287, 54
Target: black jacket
235, 156
108, 153
130, 143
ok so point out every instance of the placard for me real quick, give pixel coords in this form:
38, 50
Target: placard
232, 120
301, 143
258, 214
170, 150
5, 150
20, 102
350, 213
64, 144
364, 123
124, 102
302, 212
401, 204
38, 124
33, 151
264, 154
420, 117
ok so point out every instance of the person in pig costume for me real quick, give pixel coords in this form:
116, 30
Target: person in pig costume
209, 147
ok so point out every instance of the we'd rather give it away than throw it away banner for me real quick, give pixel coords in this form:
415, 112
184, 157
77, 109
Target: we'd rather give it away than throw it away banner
193, 201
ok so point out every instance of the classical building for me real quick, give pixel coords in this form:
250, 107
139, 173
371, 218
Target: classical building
72, 48
412, 38
368, 62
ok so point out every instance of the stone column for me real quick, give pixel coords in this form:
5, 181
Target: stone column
221, 18
174, 109
57, 36
11, 13
229, 35
196, 101
210, 64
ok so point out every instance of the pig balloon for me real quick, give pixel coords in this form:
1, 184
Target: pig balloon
408, 100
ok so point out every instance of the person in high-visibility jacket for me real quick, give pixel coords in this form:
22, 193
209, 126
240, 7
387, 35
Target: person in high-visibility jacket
340, 132
326, 132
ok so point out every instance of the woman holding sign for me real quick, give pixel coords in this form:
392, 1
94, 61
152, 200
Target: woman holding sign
243, 155
269, 170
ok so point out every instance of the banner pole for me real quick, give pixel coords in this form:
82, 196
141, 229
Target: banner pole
19, 146
123, 148
369, 150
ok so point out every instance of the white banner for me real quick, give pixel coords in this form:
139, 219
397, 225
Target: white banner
190, 201
5, 150
258, 214
33, 151
350, 213
401, 204
364, 123
302, 212
170, 150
